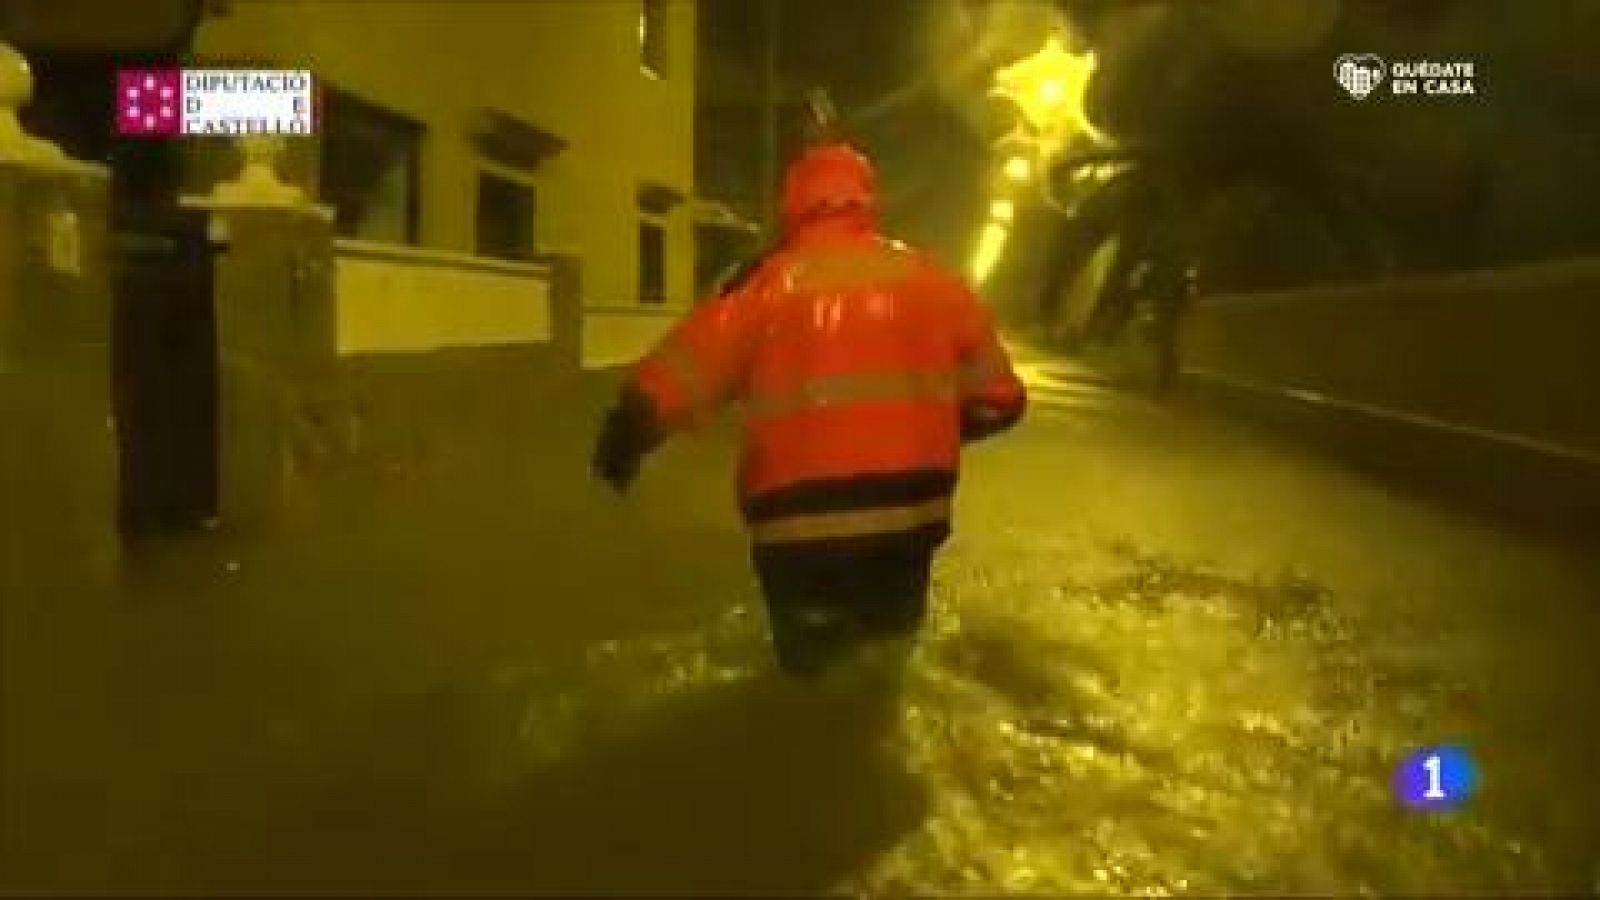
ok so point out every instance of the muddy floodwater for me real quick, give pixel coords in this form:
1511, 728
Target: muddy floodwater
1166, 656
1155, 730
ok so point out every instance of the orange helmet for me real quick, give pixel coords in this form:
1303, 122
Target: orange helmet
828, 179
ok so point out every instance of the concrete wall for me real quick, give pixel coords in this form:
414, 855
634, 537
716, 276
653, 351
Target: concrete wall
58, 450
58, 545
397, 300
415, 421
1510, 351
621, 337
373, 365
569, 66
1482, 384
443, 361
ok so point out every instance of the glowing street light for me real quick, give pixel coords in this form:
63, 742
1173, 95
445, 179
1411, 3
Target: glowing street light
1051, 89
991, 245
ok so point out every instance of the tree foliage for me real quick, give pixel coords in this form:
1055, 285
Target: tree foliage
1248, 160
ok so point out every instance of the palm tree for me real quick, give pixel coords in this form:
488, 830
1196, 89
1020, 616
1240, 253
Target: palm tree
1227, 163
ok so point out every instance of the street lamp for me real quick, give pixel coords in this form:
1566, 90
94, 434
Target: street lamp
1051, 92
1050, 89
991, 244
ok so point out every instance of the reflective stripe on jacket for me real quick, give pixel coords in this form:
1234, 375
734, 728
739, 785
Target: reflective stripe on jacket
851, 357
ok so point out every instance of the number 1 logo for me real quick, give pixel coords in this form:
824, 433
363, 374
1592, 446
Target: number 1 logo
1436, 778
1435, 766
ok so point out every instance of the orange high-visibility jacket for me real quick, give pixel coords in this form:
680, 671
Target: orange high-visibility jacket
856, 361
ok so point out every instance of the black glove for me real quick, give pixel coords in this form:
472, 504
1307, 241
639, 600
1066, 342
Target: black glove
615, 462
614, 468
627, 436
979, 421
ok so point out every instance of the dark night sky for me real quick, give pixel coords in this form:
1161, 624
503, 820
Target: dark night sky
871, 56
1518, 164
861, 50
864, 51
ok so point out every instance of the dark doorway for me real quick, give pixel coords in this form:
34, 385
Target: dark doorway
164, 370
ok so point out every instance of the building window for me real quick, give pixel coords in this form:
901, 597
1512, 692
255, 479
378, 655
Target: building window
652, 262
505, 218
371, 169
653, 37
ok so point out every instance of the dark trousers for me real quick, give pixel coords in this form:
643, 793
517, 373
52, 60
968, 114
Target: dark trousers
1168, 365
826, 598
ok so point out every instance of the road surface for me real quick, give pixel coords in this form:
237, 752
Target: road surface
1169, 655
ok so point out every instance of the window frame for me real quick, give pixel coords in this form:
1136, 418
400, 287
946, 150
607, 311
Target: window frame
655, 53
488, 168
659, 225
416, 133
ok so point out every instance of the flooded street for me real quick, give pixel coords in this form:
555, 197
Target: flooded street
374, 520
1139, 679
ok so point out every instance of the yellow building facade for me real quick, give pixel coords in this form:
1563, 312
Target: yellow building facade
608, 83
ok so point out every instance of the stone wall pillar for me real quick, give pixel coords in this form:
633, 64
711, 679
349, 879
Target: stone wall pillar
566, 308
58, 540
57, 447
276, 349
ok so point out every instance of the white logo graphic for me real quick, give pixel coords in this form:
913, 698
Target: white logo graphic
1359, 73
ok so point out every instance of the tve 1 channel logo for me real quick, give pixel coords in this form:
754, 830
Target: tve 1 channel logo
1435, 779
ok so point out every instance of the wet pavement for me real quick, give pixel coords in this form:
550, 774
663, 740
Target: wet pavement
1169, 655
